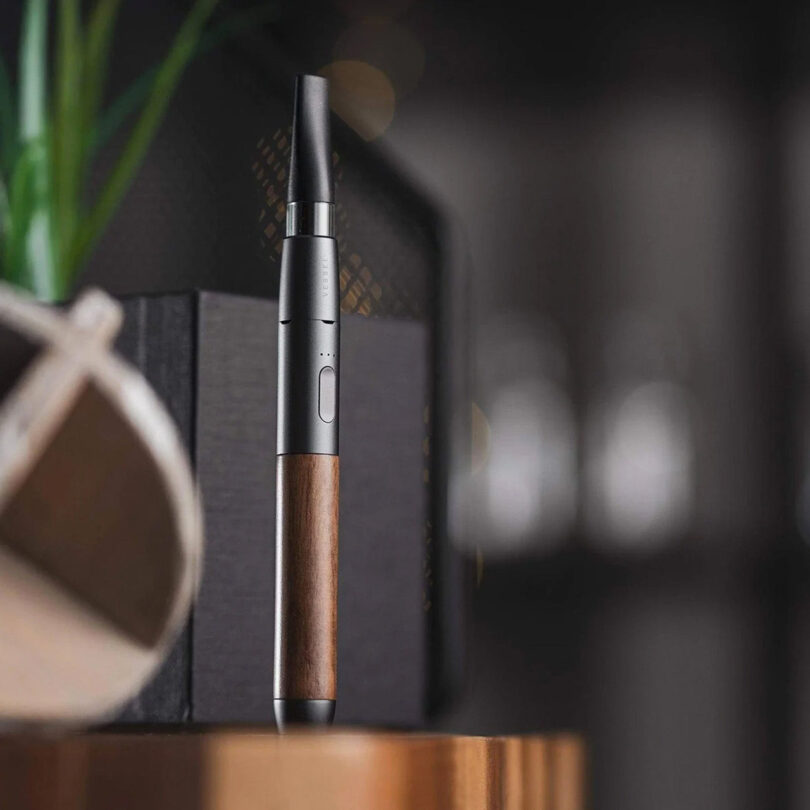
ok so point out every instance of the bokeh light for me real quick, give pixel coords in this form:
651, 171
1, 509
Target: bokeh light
362, 95
386, 45
521, 490
481, 439
528, 480
640, 467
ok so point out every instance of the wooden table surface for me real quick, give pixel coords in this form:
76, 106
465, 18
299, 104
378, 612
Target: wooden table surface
260, 770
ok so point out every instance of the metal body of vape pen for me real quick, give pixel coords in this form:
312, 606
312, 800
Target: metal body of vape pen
307, 444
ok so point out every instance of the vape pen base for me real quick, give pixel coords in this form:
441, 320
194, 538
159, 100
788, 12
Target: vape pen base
303, 712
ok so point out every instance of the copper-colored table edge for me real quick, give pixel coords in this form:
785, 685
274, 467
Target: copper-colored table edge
259, 770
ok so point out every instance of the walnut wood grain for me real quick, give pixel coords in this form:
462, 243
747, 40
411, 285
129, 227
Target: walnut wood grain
306, 577
339, 770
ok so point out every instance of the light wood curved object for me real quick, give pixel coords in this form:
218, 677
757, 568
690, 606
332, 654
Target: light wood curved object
263, 771
100, 527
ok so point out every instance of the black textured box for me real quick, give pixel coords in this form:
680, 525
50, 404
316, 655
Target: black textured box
212, 359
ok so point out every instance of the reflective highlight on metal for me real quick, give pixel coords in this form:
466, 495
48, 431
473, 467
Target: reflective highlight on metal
310, 219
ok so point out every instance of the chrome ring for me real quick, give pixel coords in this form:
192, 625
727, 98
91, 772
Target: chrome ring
310, 219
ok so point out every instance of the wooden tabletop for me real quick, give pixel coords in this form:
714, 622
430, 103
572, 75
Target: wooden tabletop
338, 770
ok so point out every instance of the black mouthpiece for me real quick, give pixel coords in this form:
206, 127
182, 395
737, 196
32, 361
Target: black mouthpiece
311, 158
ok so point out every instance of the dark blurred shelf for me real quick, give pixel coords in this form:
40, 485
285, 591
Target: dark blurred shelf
709, 567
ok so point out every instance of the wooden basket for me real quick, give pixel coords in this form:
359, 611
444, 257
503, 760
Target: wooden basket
100, 527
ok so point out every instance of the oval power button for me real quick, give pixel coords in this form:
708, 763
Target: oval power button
327, 394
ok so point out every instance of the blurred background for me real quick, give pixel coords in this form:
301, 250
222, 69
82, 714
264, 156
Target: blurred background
620, 282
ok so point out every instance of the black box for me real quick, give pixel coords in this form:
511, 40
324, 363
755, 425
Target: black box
212, 358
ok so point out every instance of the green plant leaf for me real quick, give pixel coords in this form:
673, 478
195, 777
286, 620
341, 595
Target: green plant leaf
21, 196
123, 107
8, 122
68, 157
97, 50
29, 243
166, 80
5, 222
33, 70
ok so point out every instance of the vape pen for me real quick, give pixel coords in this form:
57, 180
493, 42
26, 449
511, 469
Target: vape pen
307, 462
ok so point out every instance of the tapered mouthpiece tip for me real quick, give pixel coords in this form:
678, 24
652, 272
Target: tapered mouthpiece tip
311, 153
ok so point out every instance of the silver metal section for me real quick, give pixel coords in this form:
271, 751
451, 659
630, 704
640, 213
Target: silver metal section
327, 394
310, 219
